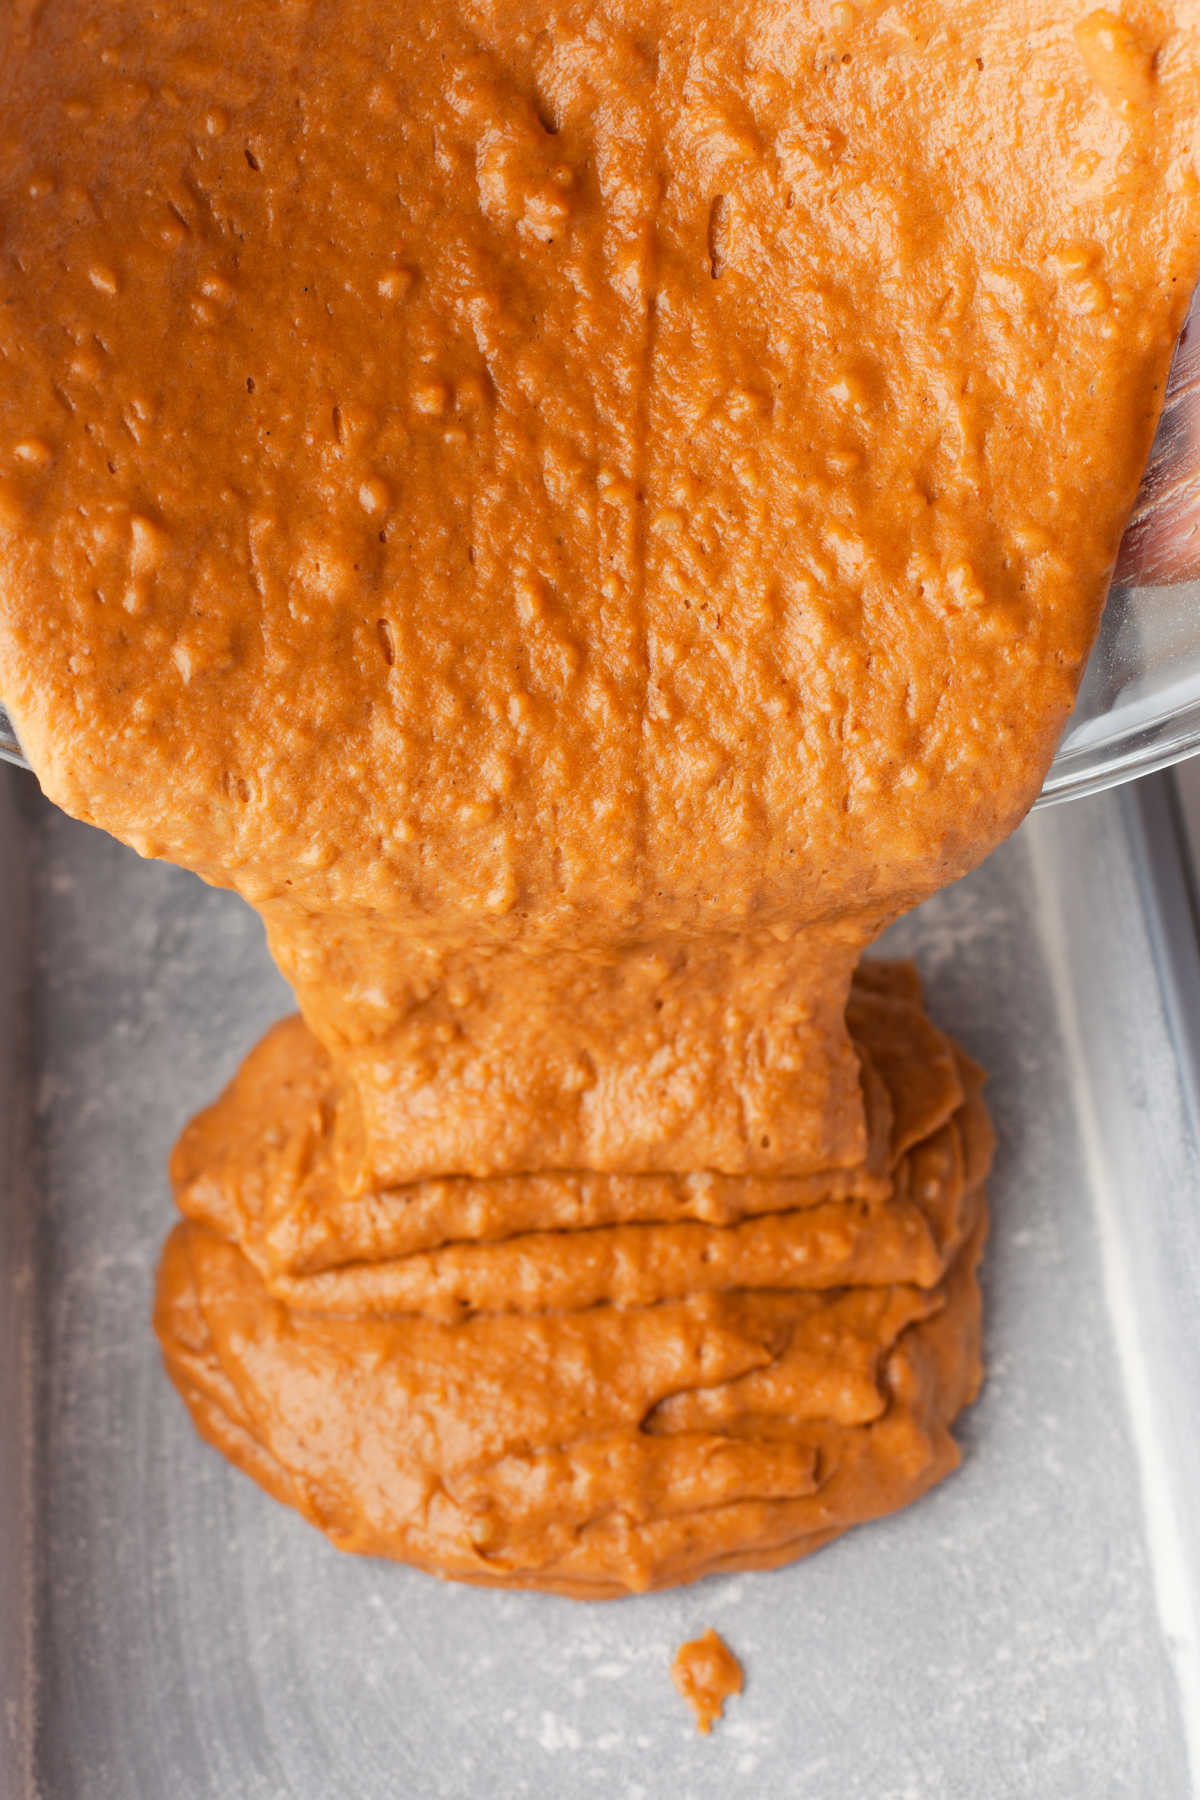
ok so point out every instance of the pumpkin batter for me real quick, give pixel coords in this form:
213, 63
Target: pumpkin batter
706, 1673
581, 520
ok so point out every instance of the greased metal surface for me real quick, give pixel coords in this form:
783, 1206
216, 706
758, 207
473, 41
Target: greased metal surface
186, 1635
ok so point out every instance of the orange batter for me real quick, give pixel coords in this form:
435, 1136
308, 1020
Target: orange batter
581, 518
706, 1673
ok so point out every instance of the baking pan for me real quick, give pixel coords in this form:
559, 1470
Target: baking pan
1028, 1629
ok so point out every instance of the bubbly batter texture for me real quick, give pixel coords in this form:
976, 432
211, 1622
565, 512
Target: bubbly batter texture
581, 515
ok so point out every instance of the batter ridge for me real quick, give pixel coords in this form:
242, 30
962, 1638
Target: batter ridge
602, 1407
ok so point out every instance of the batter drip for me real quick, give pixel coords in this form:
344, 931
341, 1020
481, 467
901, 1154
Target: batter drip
706, 1673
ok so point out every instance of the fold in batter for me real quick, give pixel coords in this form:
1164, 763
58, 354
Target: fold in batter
583, 1383
581, 516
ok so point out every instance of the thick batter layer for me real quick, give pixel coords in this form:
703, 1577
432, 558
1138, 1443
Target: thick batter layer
581, 519
603, 1390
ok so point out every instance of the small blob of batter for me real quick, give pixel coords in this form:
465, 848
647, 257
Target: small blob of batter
706, 1673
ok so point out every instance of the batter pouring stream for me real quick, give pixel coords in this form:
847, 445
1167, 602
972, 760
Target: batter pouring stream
581, 516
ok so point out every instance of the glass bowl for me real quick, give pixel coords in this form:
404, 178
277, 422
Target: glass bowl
10, 750
1138, 707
